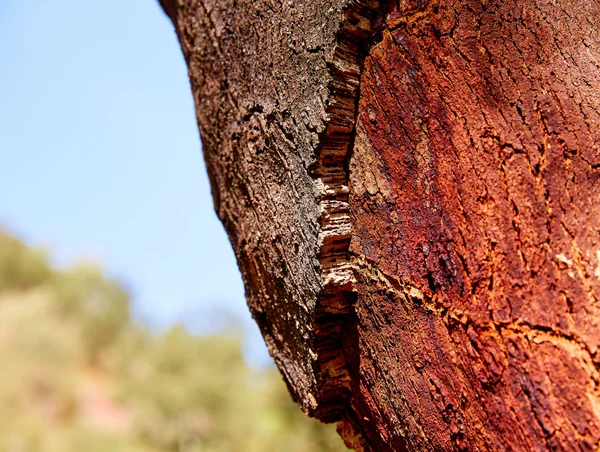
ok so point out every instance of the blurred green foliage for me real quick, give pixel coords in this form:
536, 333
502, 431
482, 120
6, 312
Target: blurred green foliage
78, 373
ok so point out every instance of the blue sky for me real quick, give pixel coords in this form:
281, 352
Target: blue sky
101, 155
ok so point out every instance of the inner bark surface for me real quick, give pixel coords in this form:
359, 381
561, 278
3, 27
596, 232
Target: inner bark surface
474, 192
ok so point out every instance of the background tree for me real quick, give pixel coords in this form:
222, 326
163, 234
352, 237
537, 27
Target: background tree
80, 374
411, 189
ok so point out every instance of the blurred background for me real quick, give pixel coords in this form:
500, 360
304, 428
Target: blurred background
123, 324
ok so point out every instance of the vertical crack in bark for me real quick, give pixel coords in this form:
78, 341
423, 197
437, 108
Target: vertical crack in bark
331, 171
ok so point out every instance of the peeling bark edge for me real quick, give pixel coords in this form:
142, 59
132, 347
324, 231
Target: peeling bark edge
331, 171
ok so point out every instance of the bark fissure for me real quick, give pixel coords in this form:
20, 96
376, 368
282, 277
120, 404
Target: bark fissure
331, 173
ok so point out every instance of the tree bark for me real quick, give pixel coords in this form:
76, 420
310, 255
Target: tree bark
411, 188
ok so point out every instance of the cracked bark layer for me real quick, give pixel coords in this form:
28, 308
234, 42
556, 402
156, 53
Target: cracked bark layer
463, 174
276, 110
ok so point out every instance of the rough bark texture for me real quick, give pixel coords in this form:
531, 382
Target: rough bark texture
411, 188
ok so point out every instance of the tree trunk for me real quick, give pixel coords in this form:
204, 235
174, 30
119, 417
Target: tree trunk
412, 191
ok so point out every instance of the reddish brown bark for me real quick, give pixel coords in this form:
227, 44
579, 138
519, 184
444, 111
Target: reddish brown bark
412, 191
474, 192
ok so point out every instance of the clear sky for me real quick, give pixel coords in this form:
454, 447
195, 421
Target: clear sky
101, 155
